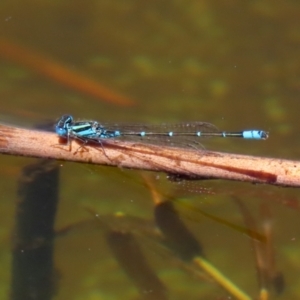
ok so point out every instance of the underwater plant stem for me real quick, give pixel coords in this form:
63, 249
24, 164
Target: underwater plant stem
33, 236
221, 279
184, 163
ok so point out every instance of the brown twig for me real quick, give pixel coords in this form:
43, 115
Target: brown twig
60, 73
188, 163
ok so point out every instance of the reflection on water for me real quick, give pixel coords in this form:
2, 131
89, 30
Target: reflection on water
233, 64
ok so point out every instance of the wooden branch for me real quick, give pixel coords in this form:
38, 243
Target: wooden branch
186, 163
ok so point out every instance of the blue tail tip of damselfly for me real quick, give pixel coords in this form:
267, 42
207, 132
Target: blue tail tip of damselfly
255, 134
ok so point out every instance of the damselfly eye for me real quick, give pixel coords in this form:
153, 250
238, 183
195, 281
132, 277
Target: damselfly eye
61, 131
63, 125
66, 120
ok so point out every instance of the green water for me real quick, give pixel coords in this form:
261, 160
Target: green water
234, 64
